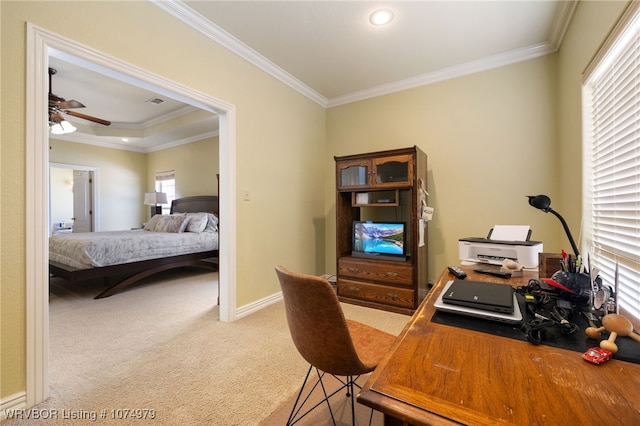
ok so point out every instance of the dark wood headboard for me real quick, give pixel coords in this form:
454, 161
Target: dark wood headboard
196, 204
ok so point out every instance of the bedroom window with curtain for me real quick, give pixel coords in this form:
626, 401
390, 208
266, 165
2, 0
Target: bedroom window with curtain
166, 182
611, 160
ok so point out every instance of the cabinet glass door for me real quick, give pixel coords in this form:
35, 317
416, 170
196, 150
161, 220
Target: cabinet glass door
355, 175
393, 170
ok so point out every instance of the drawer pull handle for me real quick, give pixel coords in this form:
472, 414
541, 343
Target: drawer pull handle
393, 296
393, 274
354, 270
354, 289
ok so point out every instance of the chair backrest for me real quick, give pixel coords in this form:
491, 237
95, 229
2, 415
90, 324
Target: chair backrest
317, 324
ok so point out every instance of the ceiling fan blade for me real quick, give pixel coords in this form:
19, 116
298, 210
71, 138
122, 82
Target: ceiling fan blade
55, 98
57, 104
88, 117
69, 104
57, 101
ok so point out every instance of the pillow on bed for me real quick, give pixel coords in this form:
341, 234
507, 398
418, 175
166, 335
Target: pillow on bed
151, 223
212, 223
185, 221
197, 222
172, 223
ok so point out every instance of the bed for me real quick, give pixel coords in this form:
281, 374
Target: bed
187, 237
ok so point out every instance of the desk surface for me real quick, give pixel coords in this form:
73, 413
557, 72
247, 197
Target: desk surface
438, 374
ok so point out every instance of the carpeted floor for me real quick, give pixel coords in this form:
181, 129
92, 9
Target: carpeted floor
160, 349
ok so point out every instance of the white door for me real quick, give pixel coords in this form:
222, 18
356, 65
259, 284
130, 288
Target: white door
82, 198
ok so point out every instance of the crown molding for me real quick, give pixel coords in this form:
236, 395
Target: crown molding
199, 23
187, 109
449, 73
561, 22
556, 36
184, 13
99, 141
206, 135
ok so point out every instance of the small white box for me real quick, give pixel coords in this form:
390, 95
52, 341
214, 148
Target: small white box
362, 198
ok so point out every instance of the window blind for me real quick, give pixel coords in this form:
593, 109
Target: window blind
168, 175
166, 182
612, 161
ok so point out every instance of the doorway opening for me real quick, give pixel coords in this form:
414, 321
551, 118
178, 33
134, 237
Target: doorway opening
41, 43
73, 197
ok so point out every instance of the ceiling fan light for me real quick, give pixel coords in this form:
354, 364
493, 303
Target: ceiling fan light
61, 128
67, 127
56, 129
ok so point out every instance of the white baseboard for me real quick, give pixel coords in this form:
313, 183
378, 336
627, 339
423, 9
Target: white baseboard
15, 402
245, 310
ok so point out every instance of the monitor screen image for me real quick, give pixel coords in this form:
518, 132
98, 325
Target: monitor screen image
379, 238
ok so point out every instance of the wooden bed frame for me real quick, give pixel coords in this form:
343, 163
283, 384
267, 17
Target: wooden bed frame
135, 271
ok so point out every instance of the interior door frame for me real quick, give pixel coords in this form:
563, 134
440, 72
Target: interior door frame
95, 196
41, 43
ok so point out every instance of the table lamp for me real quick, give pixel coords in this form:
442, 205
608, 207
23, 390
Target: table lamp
543, 203
154, 199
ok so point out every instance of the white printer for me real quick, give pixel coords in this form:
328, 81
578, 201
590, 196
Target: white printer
494, 251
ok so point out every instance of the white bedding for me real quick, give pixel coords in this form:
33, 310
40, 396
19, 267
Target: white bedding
96, 249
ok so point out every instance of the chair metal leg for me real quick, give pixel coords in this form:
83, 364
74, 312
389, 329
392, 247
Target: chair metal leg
300, 402
295, 404
351, 382
295, 415
326, 398
353, 403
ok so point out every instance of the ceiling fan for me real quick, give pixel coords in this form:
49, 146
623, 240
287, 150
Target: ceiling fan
59, 106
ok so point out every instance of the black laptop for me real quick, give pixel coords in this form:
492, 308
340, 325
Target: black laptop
480, 295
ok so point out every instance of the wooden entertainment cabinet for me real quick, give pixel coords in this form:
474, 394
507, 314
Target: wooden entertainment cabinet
385, 186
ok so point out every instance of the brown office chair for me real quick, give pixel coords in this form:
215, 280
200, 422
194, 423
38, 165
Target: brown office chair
326, 339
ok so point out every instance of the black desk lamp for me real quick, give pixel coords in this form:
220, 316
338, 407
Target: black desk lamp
543, 203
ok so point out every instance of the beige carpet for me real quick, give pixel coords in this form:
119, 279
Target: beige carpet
160, 346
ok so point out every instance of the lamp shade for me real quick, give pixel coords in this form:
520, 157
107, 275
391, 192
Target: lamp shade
543, 203
155, 198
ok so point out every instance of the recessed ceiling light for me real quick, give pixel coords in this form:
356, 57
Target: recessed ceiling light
125, 140
381, 17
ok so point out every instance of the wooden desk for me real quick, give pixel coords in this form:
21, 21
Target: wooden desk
437, 374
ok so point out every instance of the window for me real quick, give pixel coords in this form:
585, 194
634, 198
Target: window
611, 161
166, 182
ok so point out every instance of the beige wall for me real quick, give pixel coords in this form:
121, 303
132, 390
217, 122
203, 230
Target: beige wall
60, 195
492, 138
490, 141
280, 136
121, 180
124, 176
196, 165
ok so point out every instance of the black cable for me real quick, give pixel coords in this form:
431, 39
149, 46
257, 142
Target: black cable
533, 287
536, 299
561, 315
536, 330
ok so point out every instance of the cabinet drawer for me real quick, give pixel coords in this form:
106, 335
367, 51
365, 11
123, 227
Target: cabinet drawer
387, 295
387, 272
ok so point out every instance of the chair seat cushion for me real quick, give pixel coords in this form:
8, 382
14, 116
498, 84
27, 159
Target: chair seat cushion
371, 343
